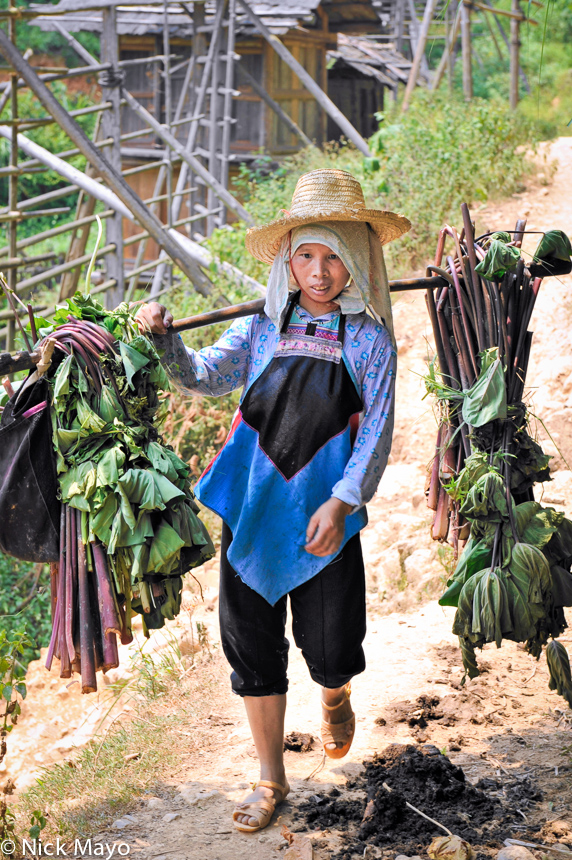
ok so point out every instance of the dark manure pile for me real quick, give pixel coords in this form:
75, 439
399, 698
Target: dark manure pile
429, 781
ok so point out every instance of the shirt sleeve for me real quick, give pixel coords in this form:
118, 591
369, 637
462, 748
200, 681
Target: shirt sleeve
212, 371
373, 441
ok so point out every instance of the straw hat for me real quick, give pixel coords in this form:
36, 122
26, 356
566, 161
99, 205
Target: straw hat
323, 195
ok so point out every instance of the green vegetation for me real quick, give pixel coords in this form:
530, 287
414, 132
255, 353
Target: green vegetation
52, 45
427, 162
52, 138
25, 603
545, 55
12, 692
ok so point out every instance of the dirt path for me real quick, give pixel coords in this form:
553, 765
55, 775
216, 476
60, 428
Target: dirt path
505, 722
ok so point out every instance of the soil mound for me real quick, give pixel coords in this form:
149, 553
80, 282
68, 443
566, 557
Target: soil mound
428, 780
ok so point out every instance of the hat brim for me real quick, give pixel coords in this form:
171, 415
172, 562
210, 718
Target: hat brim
264, 242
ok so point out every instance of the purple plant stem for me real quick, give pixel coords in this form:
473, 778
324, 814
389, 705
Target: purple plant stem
65, 663
454, 374
467, 330
110, 621
433, 494
57, 603
71, 557
126, 634
54, 587
443, 366
110, 652
440, 527
470, 242
87, 649
463, 357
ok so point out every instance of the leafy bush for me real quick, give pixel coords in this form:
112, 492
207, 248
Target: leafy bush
52, 138
427, 162
25, 603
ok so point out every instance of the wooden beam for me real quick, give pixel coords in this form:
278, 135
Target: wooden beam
193, 162
504, 12
308, 81
14, 362
453, 36
132, 204
419, 52
467, 51
111, 128
523, 77
25, 361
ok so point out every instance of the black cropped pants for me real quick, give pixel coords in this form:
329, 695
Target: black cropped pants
328, 623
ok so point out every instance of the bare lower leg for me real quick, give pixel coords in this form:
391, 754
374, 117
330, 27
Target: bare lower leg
332, 697
266, 718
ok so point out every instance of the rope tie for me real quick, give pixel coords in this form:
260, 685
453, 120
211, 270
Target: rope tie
111, 78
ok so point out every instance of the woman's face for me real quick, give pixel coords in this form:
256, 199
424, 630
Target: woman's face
320, 273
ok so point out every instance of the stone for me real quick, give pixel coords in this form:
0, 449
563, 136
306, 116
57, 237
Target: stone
155, 803
171, 816
121, 824
194, 799
515, 852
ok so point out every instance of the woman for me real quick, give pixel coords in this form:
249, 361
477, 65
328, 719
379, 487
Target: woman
305, 452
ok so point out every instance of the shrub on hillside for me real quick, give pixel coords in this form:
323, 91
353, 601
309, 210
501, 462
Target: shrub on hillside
426, 162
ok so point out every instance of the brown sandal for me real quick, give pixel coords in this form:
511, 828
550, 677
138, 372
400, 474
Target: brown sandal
262, 809
333, 733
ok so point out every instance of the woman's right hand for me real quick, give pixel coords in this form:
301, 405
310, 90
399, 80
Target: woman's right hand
153, 317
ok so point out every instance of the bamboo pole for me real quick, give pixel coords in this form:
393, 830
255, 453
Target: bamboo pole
227, 117
13, 185
308, 81
221, 192
179, 191
414, 31
419, 53
467, 48
111, 128
489, 26
505, 39
196, 108
78, 241
514, 56
27, 284
448, 52
129, 200
25, 361
504, 13
213, 161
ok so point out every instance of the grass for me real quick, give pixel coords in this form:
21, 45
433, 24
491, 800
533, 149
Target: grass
142, 752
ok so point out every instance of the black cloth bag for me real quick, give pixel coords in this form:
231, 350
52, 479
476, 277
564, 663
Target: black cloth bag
29, 505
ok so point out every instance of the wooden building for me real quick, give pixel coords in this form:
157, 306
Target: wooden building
255, 88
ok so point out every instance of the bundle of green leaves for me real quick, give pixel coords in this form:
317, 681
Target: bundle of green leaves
132, 490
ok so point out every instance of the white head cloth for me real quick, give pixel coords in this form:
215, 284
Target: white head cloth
360, 251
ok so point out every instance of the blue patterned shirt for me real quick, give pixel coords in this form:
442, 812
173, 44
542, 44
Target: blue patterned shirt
245, 349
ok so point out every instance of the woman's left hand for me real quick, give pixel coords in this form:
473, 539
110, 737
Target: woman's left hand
326, 528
